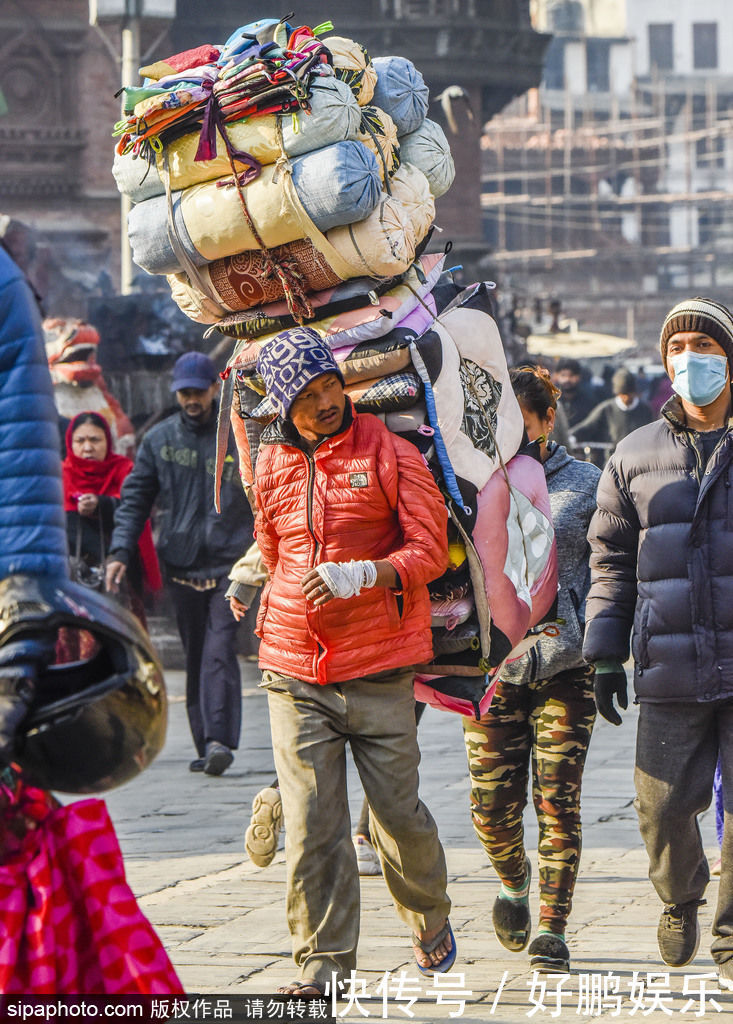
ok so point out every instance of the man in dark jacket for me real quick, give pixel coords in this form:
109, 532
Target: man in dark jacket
577, 396
615, 417
662, 562
174, 470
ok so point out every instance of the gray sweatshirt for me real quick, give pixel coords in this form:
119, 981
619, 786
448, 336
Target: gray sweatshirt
572, 487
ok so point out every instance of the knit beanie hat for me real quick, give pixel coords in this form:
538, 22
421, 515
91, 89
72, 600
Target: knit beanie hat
623, 382
704, 316
290, 361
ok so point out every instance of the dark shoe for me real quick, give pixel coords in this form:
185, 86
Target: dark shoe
549, 954
725, 975
197, 765
678, 933
218, 758
512, 921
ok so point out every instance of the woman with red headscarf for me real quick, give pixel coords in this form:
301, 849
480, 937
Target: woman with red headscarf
92, 476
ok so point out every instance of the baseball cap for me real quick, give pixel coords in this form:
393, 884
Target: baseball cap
193, 370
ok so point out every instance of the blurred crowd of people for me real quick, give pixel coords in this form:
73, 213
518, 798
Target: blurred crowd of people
595, 411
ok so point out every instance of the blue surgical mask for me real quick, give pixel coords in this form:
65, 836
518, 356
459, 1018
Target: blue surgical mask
699, 379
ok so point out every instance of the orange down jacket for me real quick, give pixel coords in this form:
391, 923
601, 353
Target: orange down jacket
363, 493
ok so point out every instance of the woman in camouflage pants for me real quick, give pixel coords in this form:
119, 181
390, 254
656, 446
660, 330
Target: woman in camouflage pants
543, 711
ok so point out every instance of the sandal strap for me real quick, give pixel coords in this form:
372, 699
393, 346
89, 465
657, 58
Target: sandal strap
432, 945
303, 983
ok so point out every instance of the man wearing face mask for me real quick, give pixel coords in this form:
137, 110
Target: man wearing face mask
662, 563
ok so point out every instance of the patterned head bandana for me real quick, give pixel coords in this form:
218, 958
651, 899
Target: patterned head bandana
290, 361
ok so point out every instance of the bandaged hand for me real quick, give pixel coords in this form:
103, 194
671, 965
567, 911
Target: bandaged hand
338, 579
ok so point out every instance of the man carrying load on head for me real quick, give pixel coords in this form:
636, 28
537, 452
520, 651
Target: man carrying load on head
351, 527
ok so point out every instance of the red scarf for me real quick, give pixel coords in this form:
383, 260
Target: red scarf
105, 477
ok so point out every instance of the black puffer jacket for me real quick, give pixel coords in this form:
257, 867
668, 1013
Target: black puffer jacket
662, 560
174, 469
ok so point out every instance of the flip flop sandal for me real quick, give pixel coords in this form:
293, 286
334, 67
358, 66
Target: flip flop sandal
427, 947
261, 837
299, 985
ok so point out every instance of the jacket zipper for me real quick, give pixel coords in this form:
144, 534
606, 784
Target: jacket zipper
309, 503
698, 462
309, 516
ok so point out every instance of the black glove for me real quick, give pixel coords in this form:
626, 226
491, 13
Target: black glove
17, 690
20, 661
610, 683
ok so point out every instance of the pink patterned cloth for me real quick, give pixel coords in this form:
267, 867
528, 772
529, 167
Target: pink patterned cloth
70, 922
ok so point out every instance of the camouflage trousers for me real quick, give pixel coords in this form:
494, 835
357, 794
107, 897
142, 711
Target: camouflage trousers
548, 722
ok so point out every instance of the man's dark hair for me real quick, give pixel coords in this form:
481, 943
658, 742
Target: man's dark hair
569, 364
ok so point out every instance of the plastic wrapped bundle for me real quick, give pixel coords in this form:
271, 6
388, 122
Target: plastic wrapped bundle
379, 134
361, 355
382, 245
335, 117
251, 84
390, 353
390, 393
352, 65
401, 92
373, 317
386, 394
427, 148
242, 281
411, 189
336, 185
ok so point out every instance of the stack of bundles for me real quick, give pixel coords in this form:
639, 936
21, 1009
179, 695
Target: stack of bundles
330, 231
270, 168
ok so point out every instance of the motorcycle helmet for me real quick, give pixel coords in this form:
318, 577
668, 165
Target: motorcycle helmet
93, 724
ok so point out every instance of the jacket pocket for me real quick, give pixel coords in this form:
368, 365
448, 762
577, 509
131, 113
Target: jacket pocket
262, 610
579, 615
640, 644
394, 609
180, 548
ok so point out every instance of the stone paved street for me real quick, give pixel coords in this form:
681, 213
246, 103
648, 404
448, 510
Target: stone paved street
222, 919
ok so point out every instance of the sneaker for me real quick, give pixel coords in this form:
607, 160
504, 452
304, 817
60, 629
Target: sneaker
549, 954
218, 758
512, 921
725, 975
260, 839
197, 765
678, 933
366, 857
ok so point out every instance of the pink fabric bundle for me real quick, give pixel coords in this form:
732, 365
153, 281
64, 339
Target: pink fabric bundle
71, 924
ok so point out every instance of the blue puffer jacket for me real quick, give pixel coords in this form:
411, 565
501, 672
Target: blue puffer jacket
32, 526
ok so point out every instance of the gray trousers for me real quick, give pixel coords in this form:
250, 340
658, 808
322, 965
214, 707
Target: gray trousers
677, 748
311, 726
